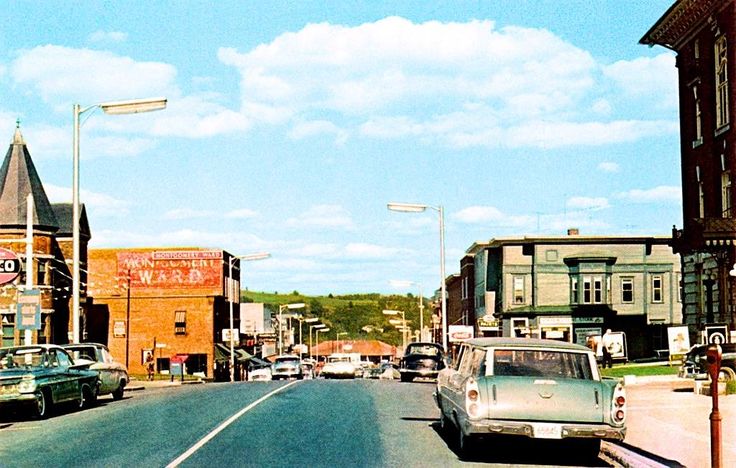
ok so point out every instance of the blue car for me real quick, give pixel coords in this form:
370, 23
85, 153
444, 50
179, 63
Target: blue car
41, 376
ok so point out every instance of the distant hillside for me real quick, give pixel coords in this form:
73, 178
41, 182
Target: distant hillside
359, 315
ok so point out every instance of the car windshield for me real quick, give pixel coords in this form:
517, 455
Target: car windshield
287, 360
426, 350
338, 359
25, 358
83, 352
541, 363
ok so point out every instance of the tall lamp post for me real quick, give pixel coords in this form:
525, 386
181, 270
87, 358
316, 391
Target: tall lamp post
231, 292
316, 337
307, 320
421, 304
418, 208
311, 327
297, 305
114, 108
402, 323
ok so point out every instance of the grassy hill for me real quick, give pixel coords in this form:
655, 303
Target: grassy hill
359, 315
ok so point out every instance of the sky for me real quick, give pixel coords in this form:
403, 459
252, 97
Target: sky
291, 125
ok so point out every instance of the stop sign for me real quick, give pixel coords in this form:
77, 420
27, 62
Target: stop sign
9, 266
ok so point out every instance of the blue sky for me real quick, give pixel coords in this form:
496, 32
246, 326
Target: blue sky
291, 125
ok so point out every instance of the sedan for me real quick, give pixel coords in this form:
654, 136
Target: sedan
531, 388
421, 360
40, 376
113, 375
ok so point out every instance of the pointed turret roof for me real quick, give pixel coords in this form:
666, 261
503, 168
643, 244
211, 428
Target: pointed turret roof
18, 178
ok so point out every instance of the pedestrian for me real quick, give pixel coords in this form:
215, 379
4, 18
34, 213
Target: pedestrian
606, 345
149, 366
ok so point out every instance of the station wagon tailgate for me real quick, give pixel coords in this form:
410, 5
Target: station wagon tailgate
543, 399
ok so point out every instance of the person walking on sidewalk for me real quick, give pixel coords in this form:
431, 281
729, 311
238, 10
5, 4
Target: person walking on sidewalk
606, 345
149, 366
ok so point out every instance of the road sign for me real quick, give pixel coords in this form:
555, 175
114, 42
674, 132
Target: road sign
29, 310
716, 334
9, 266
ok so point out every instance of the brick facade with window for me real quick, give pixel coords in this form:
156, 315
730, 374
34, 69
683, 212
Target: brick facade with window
703, 35
177, 301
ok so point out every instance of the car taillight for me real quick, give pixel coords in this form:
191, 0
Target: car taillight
472, 399
618, 410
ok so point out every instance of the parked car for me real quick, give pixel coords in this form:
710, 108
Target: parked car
385, 370
339, 366
421, 360
261, 373
696, 365
307, 369
543, 389
113, 375
287, 367
40, 376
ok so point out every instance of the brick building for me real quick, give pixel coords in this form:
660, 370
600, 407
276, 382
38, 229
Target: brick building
51, 248
703, 34
167, 301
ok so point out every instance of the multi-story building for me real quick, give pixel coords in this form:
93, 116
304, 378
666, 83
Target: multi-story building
51, 248
703, 34
172, 302
571, 287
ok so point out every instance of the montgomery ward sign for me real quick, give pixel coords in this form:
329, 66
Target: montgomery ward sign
171, 269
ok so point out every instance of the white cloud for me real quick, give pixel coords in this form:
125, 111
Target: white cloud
307, 129
97, 204
491, 215
242, 213
361, 250
107, 36
587, 203
187, 213
330, 216
645, 76
61, 75
662, 193
608, 166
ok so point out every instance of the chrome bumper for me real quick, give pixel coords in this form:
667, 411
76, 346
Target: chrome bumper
524, 428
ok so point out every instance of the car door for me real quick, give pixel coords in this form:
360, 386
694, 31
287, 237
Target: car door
69, 376
456, 380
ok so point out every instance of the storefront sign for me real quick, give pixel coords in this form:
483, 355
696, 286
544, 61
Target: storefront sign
29, 310
118, 329
456, 333
171, 269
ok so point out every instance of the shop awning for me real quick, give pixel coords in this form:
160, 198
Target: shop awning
222, 354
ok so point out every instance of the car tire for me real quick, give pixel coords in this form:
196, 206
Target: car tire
42, 405
87, 397
117, 394
445, 423
464, 444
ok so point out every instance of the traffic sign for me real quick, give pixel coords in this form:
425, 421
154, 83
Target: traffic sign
9, 266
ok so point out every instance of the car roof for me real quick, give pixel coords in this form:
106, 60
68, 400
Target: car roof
33, 346
508, 342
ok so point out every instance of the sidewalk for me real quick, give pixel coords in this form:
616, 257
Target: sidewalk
667, 419
136, 385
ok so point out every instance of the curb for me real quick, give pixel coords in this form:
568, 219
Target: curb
622, 454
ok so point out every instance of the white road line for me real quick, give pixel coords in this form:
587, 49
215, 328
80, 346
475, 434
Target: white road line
222, 426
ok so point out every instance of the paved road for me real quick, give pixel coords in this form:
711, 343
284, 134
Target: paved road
317, 423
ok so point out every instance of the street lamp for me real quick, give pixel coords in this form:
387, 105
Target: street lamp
337, 336
418, 208
296, 305
230, 293
113, 108
311, 327
316, 336
421, 304
401, 322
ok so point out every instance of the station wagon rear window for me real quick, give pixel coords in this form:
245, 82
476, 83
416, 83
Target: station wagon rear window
541, 363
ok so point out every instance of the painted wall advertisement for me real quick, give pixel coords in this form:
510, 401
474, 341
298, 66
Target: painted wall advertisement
171, 268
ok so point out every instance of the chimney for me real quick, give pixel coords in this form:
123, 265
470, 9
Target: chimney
573, 232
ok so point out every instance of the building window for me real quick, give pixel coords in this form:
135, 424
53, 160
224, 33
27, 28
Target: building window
593, 290
8, 329
627, 290
574, 290
680, 288
698, 116
721, 71
696, 49
518, 290
657, 289
180, 322
726, 193
701, 201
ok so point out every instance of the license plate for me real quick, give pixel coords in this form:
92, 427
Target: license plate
547, 431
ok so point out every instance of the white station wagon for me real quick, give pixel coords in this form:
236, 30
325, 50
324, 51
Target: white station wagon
532, 388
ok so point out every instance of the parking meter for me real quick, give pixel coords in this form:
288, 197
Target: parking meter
713, 356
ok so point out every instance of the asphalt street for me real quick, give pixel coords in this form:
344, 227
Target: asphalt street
316, 423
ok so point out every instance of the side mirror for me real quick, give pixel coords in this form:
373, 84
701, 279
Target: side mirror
713, 355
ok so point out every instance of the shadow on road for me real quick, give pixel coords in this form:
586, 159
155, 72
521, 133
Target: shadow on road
518, 450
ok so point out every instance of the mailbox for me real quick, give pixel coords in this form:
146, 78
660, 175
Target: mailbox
713, 356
